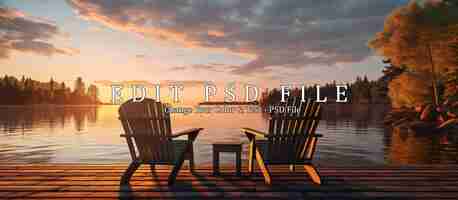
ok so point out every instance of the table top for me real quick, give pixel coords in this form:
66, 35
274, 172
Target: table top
227, 147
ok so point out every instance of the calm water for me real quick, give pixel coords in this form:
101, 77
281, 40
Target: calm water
352, 136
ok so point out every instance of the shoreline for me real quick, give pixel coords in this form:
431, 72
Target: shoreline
409, 120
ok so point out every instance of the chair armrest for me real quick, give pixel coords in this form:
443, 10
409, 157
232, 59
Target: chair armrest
186, 132
254, 132
177, 134
138, 134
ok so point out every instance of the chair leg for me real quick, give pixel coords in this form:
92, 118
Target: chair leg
153, 171
313, 173
191, 161
292, 168
178, 164
238, 161
129, 172
215, 162
251, 156
262, 166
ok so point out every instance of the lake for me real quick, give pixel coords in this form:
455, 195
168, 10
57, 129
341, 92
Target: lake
353, 135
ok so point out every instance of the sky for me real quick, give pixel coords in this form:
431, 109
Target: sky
258, 41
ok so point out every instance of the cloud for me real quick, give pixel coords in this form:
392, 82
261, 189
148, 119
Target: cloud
208, 67
140, 56
288, 33
163, 83
213, 67
178, 68
19, 32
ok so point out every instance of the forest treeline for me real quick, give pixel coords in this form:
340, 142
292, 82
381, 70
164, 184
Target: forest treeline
362, 90
26, 91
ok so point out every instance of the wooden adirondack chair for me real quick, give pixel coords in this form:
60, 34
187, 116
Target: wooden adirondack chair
149, 137
291, 140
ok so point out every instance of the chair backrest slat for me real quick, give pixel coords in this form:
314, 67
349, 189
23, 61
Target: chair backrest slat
149, 122
289, 132
167, 129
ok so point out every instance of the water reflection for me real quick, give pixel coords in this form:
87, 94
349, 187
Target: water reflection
361, 117
407, 148
353, 135
27, 119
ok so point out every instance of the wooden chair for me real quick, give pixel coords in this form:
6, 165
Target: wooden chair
291, 140
149, 137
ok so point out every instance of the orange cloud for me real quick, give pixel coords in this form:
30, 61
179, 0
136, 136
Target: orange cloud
270, 34
93, 12
216, 33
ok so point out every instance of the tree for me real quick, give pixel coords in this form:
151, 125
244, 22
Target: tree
79, 91
22, 83
404, 90
410, 30
417, 36
61, 97
92, 93
51, 90
80, 88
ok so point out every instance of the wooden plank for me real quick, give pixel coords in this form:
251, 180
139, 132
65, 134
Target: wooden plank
283, 170
223, 194
164, 168
304, 180
449, 174
18, 175
368, 185
124, 165
284, 175
102, 182
231, 188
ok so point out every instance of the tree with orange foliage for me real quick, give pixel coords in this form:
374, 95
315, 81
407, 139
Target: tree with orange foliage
422, 37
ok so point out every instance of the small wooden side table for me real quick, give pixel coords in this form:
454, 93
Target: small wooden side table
227, 148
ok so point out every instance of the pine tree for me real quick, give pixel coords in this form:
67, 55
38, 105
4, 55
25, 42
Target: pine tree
92, 93
51, 90
80, 88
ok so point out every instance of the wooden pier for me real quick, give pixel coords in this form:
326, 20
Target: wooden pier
76, 181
